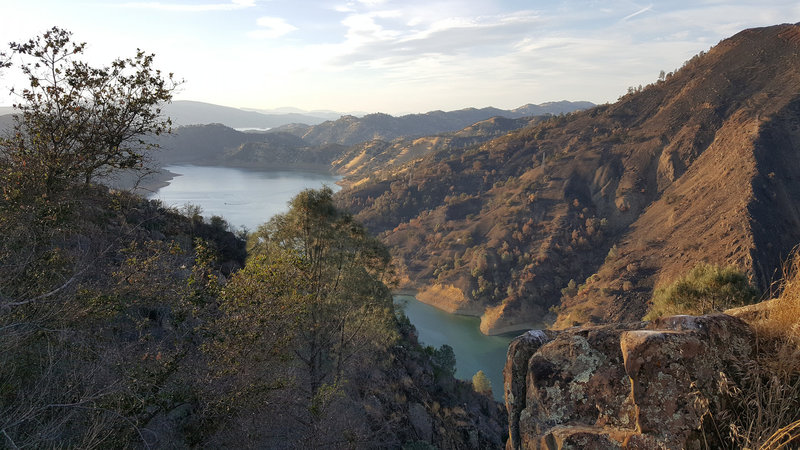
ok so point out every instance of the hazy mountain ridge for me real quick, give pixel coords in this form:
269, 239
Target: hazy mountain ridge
6, 121
351, 130
185, 112
696, 167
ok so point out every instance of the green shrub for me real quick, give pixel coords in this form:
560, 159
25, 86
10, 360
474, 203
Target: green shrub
706, 288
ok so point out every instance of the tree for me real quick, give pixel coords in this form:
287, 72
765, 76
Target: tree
481, 383
306, 319
343, 269
444, 360
72, 340
77, 122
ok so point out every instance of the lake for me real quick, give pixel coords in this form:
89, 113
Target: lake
250, 197
243, 197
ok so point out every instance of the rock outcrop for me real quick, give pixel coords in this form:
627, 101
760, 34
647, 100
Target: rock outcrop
637, 385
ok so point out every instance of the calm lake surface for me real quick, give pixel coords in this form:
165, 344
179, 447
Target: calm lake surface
249, 198
243, 197
474, 350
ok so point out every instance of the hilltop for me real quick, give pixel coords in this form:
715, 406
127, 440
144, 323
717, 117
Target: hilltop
698, 166
351, 130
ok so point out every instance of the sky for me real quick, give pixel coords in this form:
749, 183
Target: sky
396, 56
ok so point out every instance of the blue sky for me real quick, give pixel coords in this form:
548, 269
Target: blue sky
397, 56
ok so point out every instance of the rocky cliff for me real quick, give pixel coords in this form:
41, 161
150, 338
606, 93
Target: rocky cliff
636, 385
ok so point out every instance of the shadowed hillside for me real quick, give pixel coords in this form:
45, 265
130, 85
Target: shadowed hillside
698, 166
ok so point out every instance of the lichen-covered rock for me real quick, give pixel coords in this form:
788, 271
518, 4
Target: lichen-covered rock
515, 376
578, 378
675, 367
636, 385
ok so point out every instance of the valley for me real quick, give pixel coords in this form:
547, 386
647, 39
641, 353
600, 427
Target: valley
569, 218
623, 275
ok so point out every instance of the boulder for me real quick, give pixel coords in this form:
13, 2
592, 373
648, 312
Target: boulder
635, 385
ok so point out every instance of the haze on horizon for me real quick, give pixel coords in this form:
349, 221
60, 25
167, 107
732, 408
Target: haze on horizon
397, 56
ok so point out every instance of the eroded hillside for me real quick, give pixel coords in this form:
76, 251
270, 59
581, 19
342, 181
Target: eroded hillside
698, 166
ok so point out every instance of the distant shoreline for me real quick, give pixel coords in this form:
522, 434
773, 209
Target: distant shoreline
151, 183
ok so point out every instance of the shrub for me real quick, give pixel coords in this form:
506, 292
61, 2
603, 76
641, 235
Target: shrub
481, 383
706, 288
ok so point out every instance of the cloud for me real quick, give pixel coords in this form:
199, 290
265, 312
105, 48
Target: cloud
272, 27
368, 39
191, 7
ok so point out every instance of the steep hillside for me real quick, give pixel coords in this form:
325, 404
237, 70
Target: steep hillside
698, 166
369, 159
350, 130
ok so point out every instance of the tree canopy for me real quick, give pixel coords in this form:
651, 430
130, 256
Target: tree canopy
75, 121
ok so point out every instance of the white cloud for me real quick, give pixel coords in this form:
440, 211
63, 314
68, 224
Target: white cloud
271, 27
196, 7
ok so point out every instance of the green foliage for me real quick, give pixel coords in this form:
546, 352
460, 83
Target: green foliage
309, 314
571, 289
481, 383
444, 361
706, 288
76, 121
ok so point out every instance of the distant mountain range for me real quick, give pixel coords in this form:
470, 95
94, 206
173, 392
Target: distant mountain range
350, 130
184, 112
326, 145
299, 122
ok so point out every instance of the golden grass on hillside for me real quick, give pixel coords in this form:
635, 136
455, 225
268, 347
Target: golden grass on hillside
780, 318
767, 402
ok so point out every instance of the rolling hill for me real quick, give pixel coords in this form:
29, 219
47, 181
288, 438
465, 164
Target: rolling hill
185, 112
351, 130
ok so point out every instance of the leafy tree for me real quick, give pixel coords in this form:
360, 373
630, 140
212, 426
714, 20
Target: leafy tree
308, 316
77, 122
444, 359
481, 383
706, 288
84, 314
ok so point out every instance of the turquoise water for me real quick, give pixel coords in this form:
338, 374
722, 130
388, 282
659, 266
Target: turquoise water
474, 351
249, 198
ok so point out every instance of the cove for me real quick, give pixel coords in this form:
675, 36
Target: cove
474, 350
251, 197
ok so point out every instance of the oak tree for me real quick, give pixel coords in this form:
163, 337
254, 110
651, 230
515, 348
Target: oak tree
76, 122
